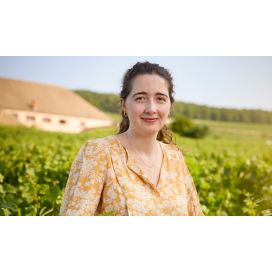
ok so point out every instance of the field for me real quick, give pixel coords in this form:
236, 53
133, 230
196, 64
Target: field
232, 168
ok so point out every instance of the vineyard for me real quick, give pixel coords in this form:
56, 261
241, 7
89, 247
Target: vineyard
232, 168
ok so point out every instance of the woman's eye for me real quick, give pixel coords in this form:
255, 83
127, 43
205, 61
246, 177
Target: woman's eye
139, 98
161, 99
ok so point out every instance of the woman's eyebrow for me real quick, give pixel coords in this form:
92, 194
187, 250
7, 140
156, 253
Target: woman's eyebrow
145, 93
162, 94
139, 93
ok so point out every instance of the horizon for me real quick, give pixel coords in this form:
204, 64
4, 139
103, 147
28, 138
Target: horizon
242, 83
113, 93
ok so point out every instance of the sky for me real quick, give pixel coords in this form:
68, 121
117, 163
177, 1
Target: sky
231, 82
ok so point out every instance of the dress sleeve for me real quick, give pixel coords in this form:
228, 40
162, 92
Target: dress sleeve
194, 207
86, 180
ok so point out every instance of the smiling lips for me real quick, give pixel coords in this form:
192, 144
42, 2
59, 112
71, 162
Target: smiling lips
150, 120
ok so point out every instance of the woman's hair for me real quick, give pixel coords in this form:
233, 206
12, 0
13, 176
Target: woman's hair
142, 68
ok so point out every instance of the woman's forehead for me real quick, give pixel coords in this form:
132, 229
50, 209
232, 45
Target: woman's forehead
150, 84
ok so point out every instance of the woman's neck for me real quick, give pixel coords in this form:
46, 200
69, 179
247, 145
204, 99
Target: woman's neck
145, 144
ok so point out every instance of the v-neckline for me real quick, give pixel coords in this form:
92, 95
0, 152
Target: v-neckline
134, 166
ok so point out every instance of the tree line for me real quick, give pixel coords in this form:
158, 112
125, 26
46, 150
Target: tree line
110, 103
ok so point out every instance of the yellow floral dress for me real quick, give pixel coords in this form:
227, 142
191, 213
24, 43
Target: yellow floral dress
104, 178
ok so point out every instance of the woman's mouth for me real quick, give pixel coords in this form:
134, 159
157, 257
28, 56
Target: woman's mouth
150, 120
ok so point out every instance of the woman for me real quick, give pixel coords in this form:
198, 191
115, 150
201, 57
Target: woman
139, 171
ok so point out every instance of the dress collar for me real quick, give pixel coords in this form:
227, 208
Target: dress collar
133, 165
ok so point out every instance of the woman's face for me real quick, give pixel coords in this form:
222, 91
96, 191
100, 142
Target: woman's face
148, 104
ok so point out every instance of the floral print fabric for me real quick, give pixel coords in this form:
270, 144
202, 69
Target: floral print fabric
104, 177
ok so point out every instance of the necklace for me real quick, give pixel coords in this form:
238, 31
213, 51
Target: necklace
150, 168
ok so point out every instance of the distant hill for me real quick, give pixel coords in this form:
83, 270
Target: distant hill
105, 102
110, 103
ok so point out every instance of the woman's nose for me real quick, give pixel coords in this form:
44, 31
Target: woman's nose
150, 106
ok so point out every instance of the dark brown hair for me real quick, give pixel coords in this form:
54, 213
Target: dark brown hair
142, 68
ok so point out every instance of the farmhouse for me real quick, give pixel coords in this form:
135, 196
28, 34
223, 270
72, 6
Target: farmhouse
47, 107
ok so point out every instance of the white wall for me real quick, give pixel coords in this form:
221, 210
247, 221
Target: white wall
72, 124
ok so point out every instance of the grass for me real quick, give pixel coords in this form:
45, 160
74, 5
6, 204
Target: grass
232, 167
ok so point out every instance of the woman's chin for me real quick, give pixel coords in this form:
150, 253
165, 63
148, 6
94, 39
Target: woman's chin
150, 130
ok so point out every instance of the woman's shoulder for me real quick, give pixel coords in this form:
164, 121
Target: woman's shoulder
98, 144
173, 150
171, 147
100, 141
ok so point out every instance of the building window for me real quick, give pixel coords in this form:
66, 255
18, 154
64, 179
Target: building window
30, 118
63, 122
47, 120
15, 115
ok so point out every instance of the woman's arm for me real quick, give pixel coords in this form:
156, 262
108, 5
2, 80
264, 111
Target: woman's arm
194, 207
86, 180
